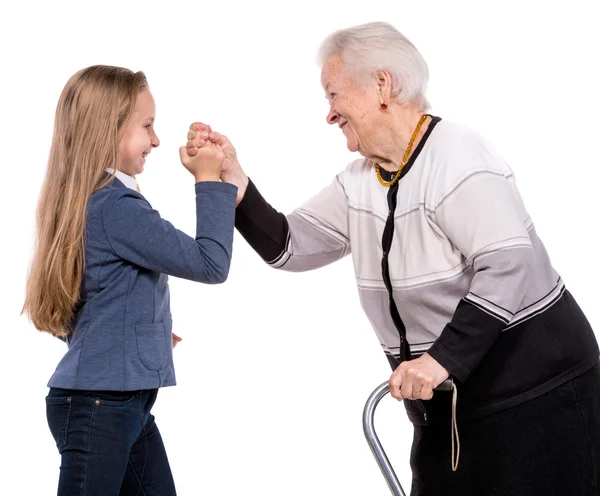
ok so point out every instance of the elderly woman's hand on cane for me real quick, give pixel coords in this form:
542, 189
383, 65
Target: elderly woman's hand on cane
416, 379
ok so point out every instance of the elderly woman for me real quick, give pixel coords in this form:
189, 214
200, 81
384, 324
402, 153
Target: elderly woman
451, 274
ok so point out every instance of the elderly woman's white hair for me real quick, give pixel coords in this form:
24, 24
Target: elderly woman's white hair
367, 48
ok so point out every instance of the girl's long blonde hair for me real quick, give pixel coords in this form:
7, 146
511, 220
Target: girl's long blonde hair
92, 113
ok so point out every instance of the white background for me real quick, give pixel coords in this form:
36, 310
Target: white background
274, 368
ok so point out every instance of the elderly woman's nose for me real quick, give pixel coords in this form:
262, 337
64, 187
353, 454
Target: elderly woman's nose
332, 116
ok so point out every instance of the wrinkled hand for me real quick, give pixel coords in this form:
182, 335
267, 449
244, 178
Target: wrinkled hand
176, 339
416, 379
200, 135
205, 163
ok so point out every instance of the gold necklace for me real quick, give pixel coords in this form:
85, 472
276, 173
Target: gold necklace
387, 184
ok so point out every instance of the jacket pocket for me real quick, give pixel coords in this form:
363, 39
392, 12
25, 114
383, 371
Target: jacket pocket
152, 345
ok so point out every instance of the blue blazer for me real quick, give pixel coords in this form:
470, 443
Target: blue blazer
122, 323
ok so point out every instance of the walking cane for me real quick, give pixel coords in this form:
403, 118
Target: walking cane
369, 429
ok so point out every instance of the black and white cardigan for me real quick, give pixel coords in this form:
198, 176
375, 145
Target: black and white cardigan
471, 279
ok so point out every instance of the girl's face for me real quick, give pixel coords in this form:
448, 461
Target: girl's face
139, 137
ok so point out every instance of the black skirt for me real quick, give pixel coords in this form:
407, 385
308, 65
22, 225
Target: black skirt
549, 446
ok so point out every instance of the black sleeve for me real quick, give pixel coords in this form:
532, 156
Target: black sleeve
264, 228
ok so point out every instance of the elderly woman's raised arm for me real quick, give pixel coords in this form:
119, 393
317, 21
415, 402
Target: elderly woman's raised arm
312, 236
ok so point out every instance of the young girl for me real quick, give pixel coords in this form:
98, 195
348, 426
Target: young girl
99, 281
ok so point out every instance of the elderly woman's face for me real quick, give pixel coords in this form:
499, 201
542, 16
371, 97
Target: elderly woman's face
353, 108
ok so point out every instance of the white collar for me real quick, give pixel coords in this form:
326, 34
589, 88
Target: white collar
128, 181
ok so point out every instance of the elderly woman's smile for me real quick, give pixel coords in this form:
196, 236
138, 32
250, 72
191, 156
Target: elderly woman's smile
376, 121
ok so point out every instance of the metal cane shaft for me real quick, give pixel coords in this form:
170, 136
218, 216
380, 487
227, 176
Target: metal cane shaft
369, 429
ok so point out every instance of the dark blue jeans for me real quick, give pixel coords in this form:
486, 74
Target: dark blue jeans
109, 443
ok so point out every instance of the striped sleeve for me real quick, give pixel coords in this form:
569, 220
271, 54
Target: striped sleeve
482, 215
314, 235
